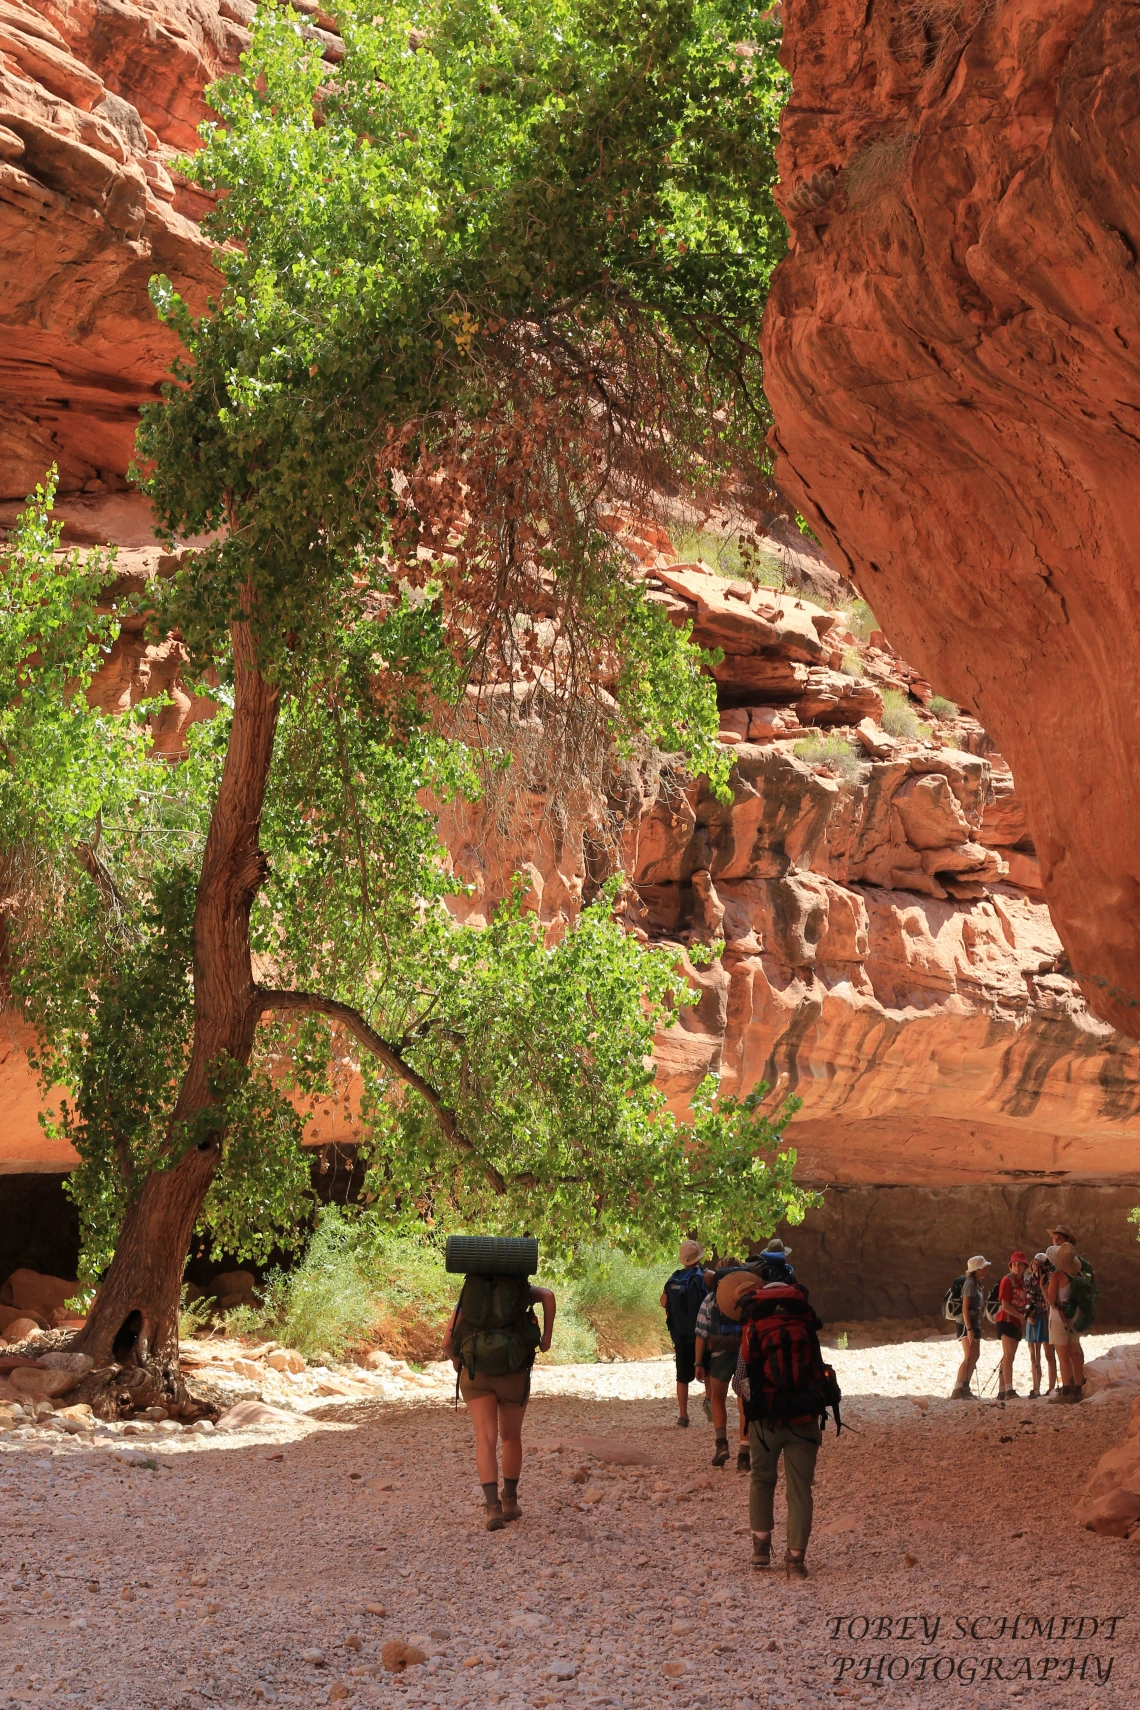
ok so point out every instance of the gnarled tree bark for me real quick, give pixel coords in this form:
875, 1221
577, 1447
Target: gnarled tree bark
134, 1320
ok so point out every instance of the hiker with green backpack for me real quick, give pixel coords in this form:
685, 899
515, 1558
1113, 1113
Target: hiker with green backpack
1072, 1296
492, 1341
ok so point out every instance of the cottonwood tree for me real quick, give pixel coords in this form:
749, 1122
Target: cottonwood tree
499, 274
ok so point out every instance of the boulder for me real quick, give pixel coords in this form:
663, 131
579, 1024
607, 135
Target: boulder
1118, 1468
36, 1293
40, 1384
246, 1413
63, 1360
1114, 1514
16, 1323
285, 1360
234, 1288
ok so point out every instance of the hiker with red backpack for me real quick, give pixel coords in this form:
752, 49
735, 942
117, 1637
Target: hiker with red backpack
682, 1298
491, 1341
787, 1390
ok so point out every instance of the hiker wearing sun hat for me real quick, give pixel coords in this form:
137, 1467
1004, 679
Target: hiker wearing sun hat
1013, 1301
1062, 1335
718, 1353
681, 1298
970, 1327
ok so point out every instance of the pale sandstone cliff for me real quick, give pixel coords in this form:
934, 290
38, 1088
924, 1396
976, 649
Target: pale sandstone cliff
952, 353
878, 959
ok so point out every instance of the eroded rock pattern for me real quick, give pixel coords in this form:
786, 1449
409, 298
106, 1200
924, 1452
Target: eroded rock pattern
952, 353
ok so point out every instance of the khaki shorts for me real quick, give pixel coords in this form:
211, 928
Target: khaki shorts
511, 1390
1061, 1332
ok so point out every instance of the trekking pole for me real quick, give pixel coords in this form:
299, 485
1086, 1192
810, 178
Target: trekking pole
989, 1380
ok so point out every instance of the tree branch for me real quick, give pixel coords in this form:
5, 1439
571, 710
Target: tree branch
390, 1055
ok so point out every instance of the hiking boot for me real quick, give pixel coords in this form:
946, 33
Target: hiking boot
1061, 1394
496, 1519
1034, 1395
960, 1392
682, 1424
794, 1564
511, 1509
761, 1554
707, 1405
744, 1458
720, 1459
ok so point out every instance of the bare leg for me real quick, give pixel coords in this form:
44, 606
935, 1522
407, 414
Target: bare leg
718, 1395
1035, 1365
682, 1401
743, 1421
510, 1430
1077, 1355
1065, 1361
1008, 1350
1051, 1362
972, 1348
484, 1411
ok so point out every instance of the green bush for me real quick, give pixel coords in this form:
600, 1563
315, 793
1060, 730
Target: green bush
621, 1302
322, 1307
726, 554
899, 717
861, 620
852, 665
942, 708
831, 751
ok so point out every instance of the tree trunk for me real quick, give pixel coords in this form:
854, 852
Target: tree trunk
132, 1330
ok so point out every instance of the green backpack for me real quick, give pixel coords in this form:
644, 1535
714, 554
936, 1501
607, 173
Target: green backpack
1080, 1308
498, 1332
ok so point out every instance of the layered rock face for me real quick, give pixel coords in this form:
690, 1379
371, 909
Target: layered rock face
879, 960
98, 98
952, 354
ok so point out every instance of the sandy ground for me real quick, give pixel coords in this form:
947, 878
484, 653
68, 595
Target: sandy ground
182, 1571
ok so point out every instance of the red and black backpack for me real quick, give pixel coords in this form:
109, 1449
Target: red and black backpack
787, 1376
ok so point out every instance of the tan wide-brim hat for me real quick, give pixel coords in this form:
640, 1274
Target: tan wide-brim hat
691, 1253
732, 1290
1061, 1234
1064, 1258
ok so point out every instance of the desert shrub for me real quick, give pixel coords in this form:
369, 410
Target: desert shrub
729, 556
899, 717
852, 665
620, 1300
323, 1306
833, 751
861, 620
942, 708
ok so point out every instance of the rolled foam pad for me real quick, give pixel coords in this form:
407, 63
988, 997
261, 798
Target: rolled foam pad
493, 1255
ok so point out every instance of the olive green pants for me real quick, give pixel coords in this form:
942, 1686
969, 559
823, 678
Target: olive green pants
799, 1445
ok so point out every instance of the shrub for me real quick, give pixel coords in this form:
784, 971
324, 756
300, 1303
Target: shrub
942, 708
861, 620
323, 1306
899, 717
852, 665
831, 751
620, 1301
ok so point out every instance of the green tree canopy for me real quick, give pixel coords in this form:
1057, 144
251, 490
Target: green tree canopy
491, 280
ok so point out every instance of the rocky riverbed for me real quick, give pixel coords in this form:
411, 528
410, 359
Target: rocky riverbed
174, 1570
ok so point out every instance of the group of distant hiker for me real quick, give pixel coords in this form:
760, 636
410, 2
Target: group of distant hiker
1048, 1302
746, 1327
751, 1327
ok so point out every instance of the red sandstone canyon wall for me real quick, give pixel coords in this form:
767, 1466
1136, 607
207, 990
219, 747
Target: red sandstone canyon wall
888, 954
952, 353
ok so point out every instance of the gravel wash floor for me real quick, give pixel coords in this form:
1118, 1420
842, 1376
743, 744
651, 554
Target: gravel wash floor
946, 1568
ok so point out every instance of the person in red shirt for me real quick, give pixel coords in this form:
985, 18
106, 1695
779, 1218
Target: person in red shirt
1013, 1298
